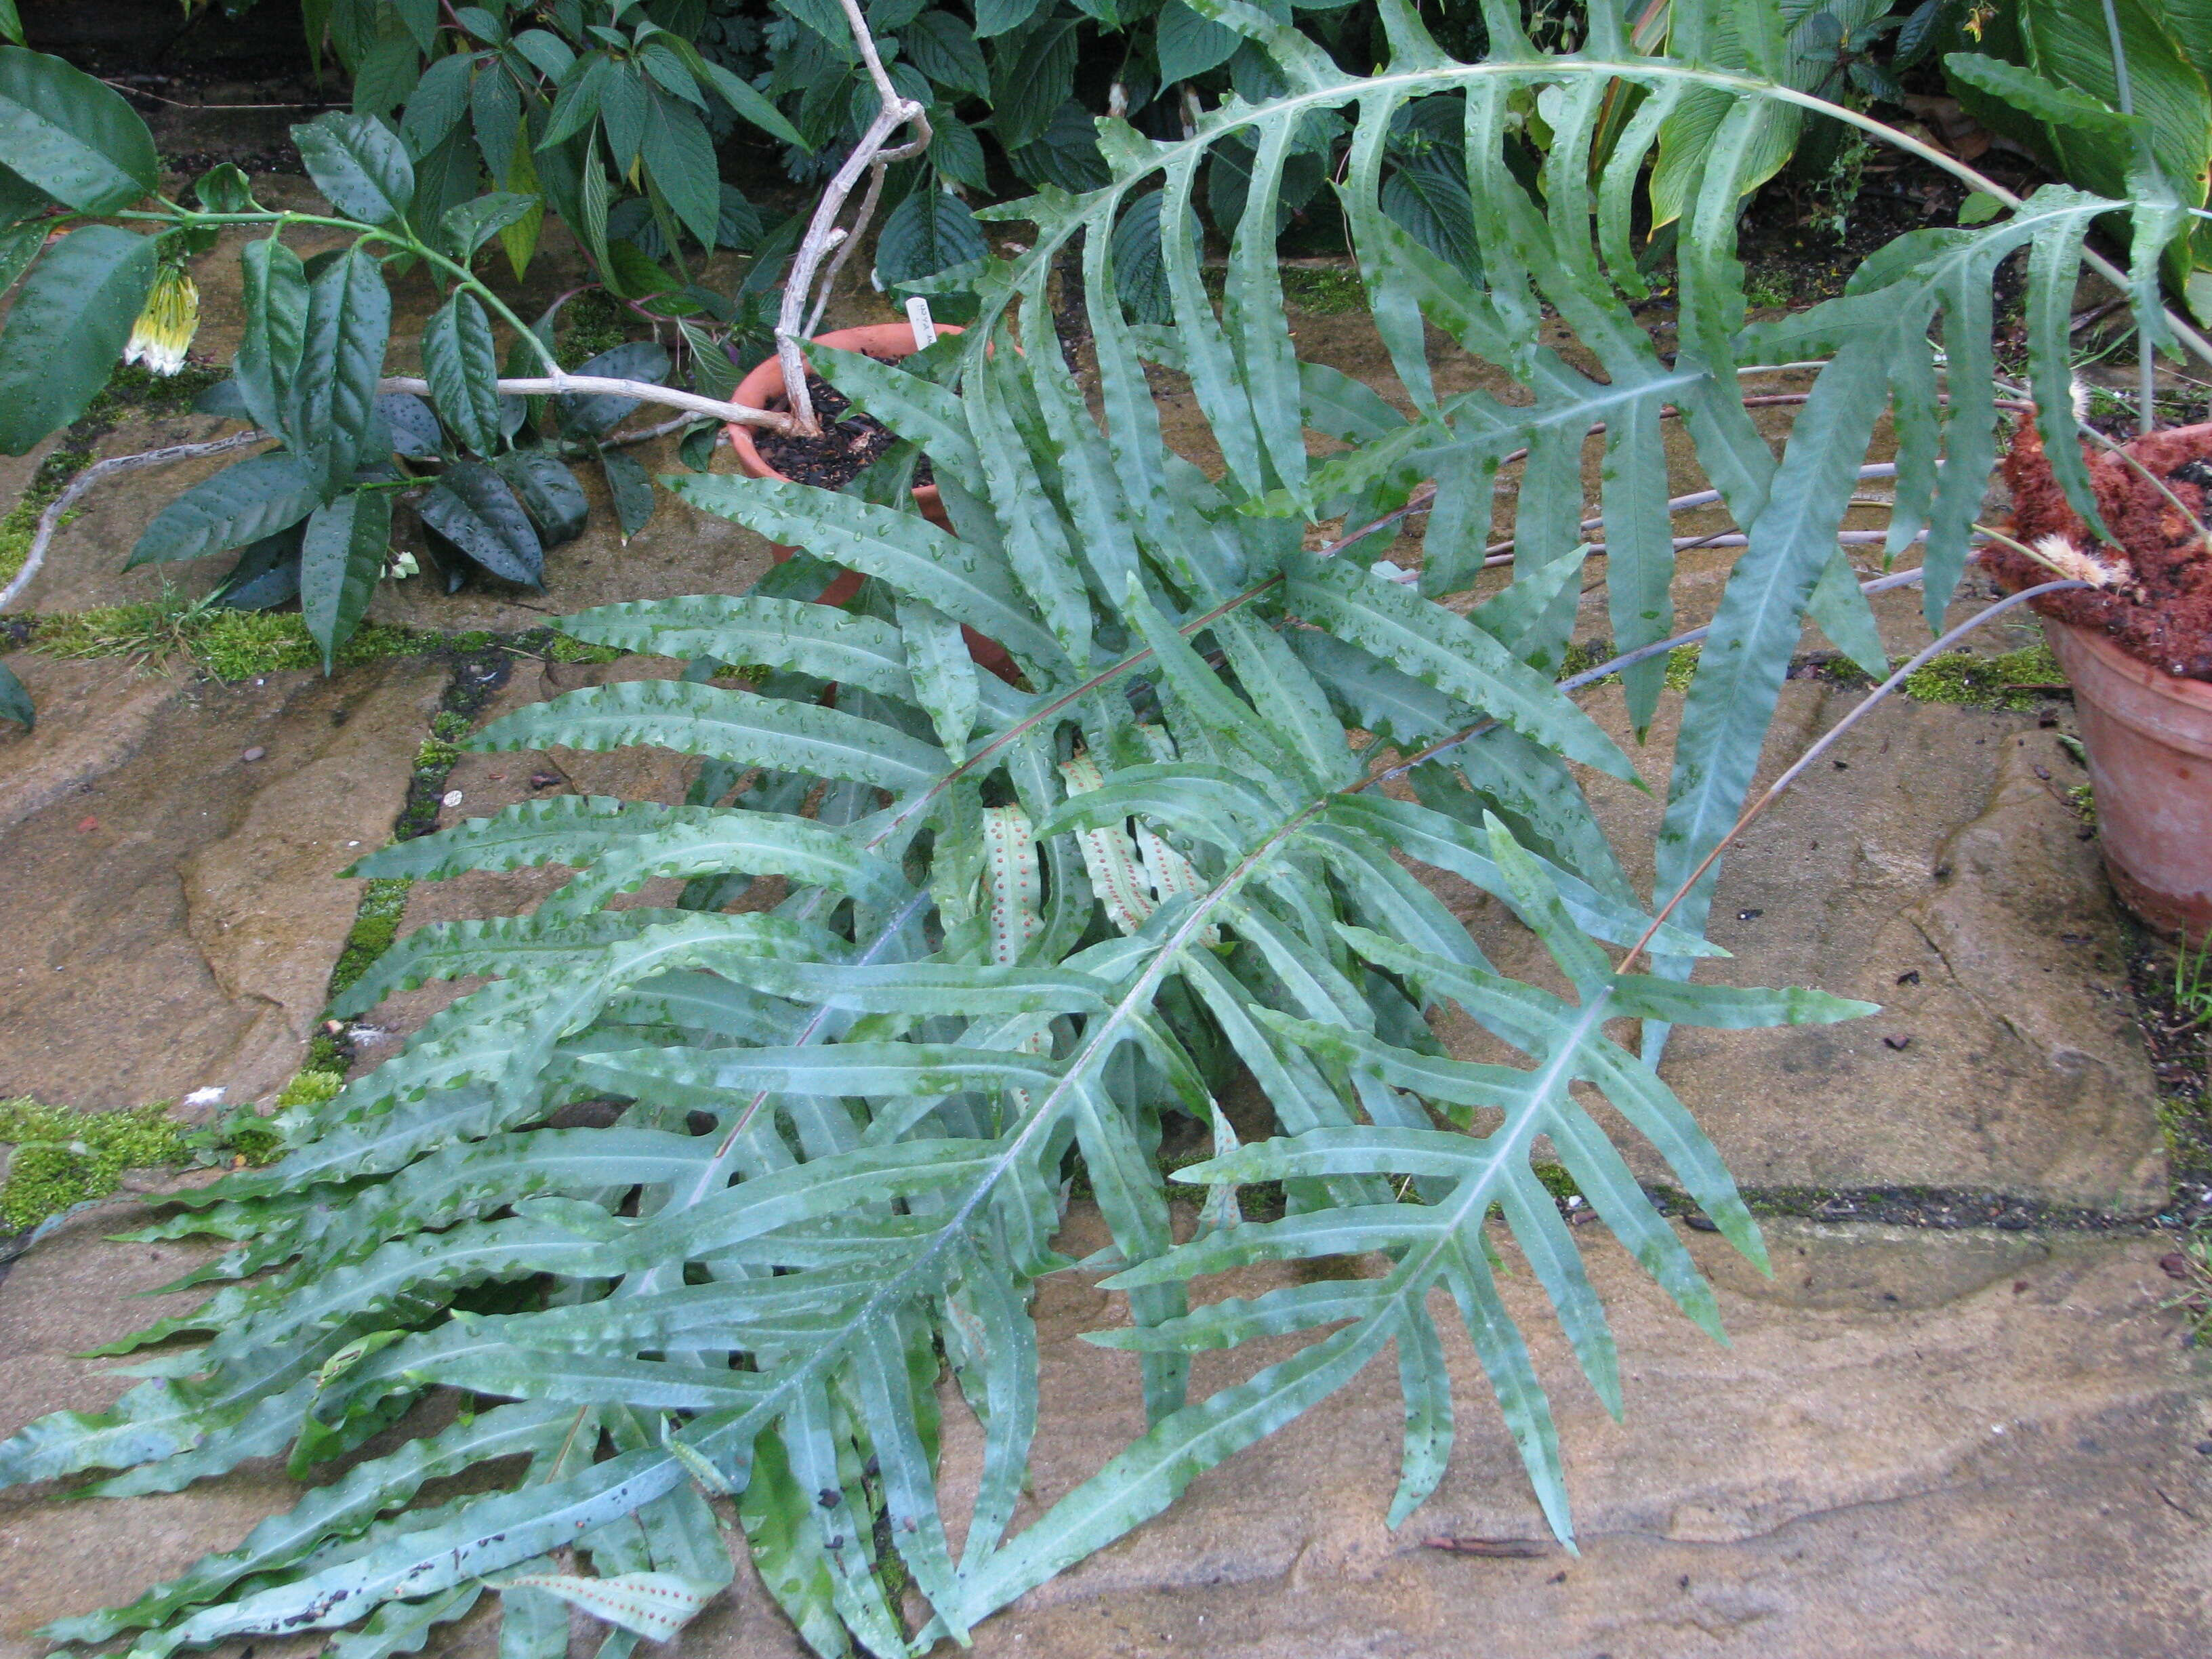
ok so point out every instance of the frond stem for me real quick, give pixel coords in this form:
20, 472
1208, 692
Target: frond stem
1828, 741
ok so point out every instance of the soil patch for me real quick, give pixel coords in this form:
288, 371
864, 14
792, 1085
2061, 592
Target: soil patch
2165, 618
849, 443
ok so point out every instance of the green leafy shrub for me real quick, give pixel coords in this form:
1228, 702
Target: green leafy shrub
2048, 75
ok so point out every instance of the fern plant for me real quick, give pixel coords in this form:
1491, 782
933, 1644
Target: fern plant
941, 935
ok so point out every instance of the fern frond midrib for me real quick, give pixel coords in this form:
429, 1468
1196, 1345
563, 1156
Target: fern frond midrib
1100, 1037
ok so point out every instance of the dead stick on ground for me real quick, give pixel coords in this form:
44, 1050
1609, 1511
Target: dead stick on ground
49, 521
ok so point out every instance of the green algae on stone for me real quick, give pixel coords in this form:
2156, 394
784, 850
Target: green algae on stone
310, 1086
1323, 290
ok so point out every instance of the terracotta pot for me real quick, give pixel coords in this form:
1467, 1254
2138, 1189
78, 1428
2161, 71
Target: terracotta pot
764, 384
2149, 736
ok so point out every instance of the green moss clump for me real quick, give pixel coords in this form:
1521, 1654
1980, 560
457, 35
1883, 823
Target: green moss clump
1772, 288
229, 645
1962, 678
310, 1086
63, 1157
436, 757
132, 387
594, 322
375, 925
564, 647
1323, 290
21, 522
244, 1136
1681, 663
1557, 1182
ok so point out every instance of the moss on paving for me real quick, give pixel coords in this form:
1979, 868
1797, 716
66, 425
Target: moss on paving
1681, 663
63, 1156
1323, 290
60, 1156
375, 925
229, 644
594, 322
2018, 681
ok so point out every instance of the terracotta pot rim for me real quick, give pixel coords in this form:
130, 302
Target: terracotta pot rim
764, 381
2194, 693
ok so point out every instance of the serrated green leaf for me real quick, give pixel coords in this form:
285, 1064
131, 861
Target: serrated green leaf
68, 326
1438, 648
460, 359
70, 136
340, 557
736, 725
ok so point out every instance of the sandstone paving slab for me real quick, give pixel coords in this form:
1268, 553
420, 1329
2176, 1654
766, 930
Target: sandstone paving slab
84, 564
1920, 1445
172, 909
1932, 865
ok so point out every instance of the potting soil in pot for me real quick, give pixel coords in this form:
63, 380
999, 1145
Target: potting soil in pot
2163, 616
848, 443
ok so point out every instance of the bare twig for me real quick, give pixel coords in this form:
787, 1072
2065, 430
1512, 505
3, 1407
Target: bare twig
49, 521
801, 311
643, 391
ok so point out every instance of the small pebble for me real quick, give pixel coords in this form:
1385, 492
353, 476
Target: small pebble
451, 798
254, 753
2204, 1449
1701, 1223
1899, 1044
543, 779
87, 824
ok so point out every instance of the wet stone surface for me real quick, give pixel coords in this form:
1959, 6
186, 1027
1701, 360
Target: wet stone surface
1927, 866
1936, 1445
170, 907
